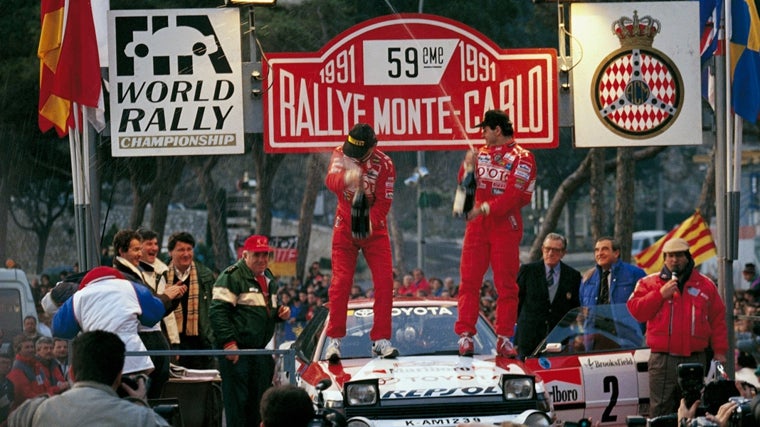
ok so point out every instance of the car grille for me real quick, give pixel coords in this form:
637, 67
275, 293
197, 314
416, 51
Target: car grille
421, 408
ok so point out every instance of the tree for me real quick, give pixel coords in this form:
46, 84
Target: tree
42, 203
214, 198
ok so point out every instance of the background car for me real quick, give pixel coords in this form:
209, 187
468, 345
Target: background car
428, 383
594, 365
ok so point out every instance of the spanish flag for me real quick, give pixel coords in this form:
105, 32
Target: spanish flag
694, 230
69, 63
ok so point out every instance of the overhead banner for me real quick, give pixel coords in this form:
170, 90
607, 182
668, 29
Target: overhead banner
636, 74
175, 82
421, 81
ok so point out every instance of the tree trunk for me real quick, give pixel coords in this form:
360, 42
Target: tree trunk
266, 168
168, 174
596, 193
314, 178
624, 187
202, 167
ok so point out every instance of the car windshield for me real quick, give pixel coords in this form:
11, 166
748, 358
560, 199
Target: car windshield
592, 330
417, 330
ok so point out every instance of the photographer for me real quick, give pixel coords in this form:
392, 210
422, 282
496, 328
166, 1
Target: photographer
724, 417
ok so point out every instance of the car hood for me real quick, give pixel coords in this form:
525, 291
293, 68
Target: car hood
420, 377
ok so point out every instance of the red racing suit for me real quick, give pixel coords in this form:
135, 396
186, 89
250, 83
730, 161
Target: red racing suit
506, 176
686, 324
378, 178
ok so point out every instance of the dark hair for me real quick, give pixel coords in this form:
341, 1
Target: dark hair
123, 238
146, 234
180, 236
615, 244
20, 339
286, 406
98, 356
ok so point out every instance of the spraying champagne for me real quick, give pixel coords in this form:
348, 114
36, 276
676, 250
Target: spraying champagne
464, 198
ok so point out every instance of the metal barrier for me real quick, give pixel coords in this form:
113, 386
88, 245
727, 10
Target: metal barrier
289, 356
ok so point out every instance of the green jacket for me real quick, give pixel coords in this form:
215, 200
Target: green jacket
239, 312
206, 284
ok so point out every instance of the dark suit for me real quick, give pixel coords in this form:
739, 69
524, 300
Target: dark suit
536, 314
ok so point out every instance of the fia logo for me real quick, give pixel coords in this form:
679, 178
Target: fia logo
637, 91
168, 45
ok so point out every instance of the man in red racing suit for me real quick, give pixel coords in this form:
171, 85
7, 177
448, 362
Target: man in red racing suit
505, 174
684, 315
359, 166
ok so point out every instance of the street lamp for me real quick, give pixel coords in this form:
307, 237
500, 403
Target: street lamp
416, 179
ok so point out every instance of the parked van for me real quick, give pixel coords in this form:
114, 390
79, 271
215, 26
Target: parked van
16, 302
644, 239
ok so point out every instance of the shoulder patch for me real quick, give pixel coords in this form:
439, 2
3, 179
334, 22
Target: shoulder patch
231, 268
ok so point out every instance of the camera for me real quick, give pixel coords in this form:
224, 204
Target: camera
691, 381
742, 415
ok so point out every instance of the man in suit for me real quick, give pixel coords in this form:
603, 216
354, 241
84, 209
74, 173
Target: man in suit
548, 290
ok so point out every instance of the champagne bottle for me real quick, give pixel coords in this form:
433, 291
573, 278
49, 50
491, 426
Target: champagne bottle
464, 198
361, 228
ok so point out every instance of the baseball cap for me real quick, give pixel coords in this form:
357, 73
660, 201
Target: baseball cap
256, 243
675, 245
360, 139
494, 118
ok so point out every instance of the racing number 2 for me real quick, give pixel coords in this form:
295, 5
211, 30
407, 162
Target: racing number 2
610, 386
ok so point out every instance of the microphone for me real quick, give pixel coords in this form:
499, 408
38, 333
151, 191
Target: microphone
674, 276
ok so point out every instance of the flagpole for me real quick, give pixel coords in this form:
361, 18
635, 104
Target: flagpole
724, 183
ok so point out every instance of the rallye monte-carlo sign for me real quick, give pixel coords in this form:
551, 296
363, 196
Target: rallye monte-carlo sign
421, 81
175, 82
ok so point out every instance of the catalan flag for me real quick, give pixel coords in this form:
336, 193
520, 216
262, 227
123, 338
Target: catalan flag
745, 59
694, 230
69, 63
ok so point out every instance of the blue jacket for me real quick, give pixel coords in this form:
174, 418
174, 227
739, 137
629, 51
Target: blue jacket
623, 278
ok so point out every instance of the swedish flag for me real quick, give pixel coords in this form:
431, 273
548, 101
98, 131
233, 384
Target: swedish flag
745, 59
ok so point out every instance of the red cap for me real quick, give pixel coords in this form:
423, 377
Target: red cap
257, 243
98, 273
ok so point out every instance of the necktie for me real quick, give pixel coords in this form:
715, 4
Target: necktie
551, 284
604, 288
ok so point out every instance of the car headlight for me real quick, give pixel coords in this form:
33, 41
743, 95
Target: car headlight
517, 387
362, 393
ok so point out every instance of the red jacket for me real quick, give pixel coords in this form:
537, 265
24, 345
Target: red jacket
28, 379
693, 320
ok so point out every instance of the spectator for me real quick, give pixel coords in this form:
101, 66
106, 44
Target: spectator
106, 301
31, 328
407, 285
356, 292
548, 290
53, 376
420, 282
6, 386
506, 176
286, 406
243, 313
450, 287
684, 315
26, 375
750, 276
362, 177
745, 369
612, 280
61, 355
436, 287
314, 275
192, 316
97, 366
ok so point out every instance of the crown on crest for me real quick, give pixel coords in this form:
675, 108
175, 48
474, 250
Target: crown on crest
636, 32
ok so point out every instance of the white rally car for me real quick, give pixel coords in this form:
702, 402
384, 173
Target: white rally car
429, 383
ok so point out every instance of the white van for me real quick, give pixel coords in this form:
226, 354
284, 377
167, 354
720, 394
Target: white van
644, 239
16, 302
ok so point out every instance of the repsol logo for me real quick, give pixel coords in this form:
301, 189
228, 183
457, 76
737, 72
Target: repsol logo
164, 45
559, 396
